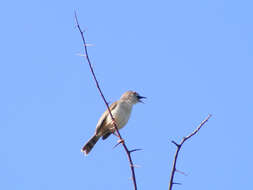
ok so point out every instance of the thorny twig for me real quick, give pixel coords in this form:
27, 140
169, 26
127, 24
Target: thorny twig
179, 147
128, 152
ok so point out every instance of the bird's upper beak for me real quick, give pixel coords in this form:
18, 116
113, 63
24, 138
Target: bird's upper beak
140, 97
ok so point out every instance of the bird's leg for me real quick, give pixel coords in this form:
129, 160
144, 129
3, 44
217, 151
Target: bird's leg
115, 134
113, 129
114, 123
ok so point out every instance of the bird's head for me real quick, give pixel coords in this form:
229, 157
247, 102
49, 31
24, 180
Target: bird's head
132, 97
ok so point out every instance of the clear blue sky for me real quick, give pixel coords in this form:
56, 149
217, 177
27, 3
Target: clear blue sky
190, 58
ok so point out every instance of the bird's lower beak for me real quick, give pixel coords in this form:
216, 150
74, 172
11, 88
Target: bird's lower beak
141, 97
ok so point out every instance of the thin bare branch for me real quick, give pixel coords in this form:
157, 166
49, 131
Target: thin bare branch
183, 173
102, 95
179, 147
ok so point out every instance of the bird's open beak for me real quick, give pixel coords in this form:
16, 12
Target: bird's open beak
141, 97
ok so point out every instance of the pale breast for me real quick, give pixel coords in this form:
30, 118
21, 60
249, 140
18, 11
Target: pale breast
122, 114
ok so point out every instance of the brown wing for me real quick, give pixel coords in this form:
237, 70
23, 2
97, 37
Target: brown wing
101, 121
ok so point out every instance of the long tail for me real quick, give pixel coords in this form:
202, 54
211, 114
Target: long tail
89, 145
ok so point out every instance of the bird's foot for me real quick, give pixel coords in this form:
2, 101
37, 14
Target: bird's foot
115, 134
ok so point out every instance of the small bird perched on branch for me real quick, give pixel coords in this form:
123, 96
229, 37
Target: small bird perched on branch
121, 111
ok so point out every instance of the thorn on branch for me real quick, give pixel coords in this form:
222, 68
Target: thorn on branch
174, 183
82, 55
178, 145
135, 166
181, 172
89, 45
119, 142
134, 150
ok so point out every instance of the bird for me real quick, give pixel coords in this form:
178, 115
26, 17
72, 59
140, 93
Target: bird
121, 111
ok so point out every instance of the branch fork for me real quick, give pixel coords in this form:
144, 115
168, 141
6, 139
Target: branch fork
171, 183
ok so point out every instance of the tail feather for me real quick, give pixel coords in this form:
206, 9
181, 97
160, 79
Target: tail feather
89, 145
